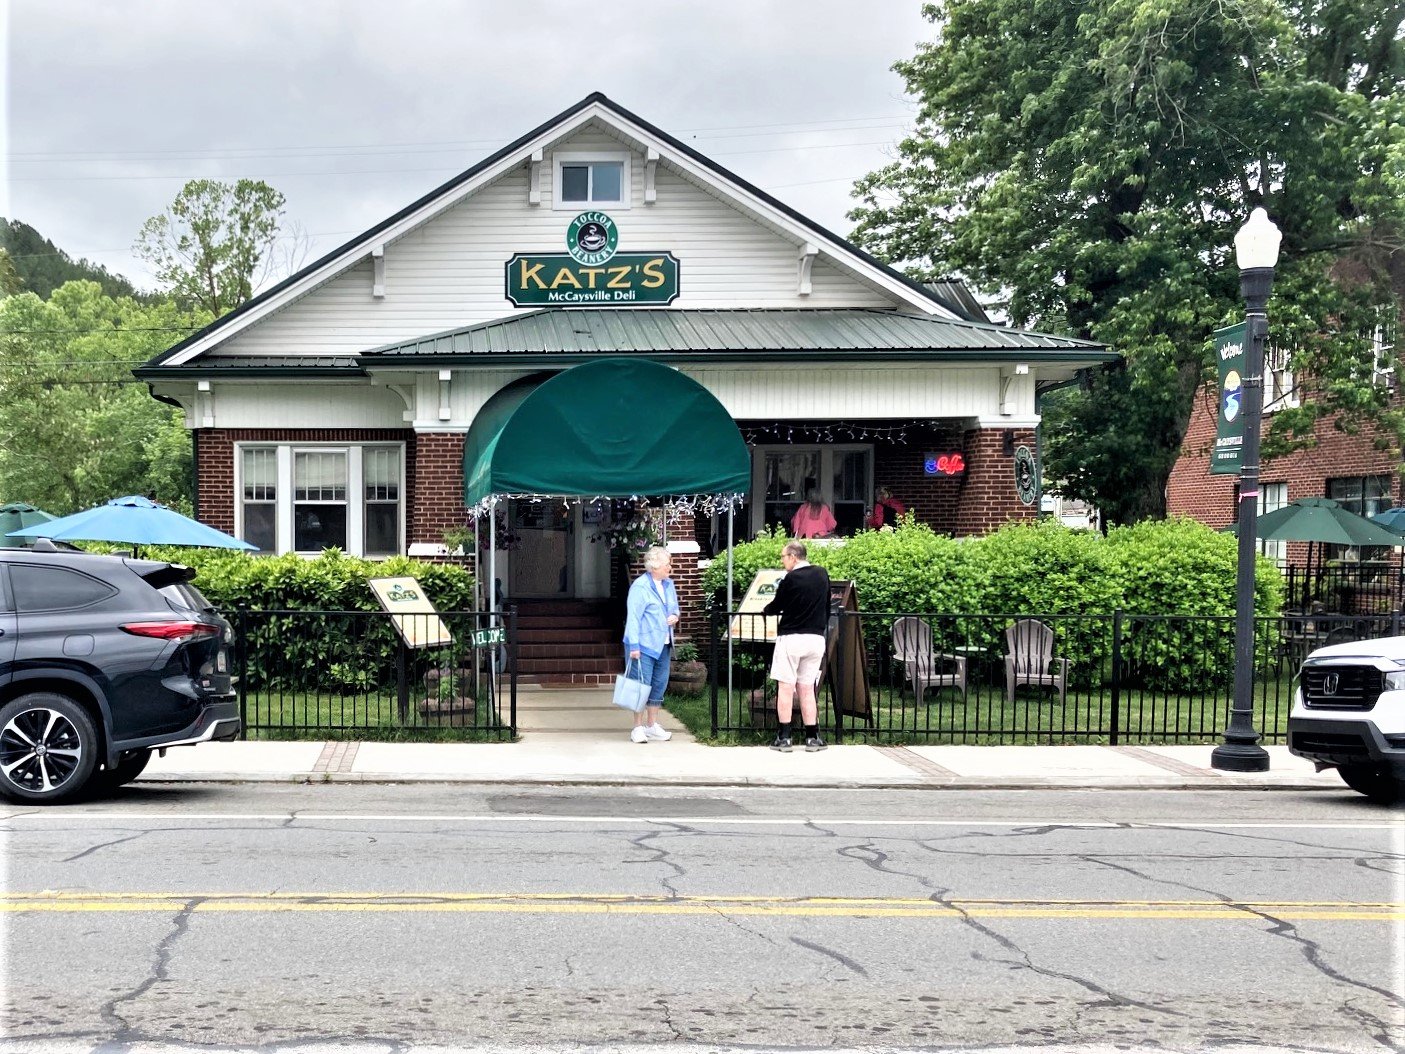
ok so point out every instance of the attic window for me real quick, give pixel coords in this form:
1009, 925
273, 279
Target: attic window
583, 181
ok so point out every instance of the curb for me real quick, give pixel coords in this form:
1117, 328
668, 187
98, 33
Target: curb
1118, 783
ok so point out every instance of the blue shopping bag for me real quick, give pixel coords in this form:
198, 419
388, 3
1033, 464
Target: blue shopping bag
631, 693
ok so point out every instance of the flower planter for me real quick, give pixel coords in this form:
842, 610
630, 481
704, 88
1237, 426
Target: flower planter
687, 678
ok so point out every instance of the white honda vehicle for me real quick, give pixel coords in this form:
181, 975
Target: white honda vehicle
1349, 714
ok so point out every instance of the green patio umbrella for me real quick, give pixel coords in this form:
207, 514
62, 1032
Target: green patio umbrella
1314, 520
16, 516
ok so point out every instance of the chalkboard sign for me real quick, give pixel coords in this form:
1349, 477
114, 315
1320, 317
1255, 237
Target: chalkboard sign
846, 660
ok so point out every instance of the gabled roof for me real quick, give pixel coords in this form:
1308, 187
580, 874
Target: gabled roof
753, 334
592, 107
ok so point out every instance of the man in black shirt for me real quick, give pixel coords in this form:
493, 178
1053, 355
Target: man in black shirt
802, 602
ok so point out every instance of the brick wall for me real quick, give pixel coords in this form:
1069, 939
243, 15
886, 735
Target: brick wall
438, 489
988, 497
1192, 491
215, 467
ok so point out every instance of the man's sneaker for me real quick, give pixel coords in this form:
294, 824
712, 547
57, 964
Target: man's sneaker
639, 735
782, 744
814, 744
657, 732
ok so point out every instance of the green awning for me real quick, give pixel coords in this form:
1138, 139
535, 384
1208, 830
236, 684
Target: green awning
611, 428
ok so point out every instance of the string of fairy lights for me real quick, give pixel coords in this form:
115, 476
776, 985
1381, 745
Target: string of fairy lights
831, 432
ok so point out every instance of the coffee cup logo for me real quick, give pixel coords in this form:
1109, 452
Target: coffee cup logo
592, 238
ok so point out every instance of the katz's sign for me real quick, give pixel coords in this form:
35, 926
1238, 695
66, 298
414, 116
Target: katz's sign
561, 280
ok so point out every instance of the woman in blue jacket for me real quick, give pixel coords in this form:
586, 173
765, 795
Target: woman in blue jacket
650, 617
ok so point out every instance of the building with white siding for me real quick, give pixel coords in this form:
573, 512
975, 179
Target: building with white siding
332, 409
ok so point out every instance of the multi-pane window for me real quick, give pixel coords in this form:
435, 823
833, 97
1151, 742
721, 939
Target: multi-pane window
380, 472
319, 500
260, 481
785, 476
305, 498
592, 182
1272, 497
1365, 496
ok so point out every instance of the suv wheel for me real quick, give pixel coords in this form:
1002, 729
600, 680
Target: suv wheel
128, 768
1377, 782
48, 748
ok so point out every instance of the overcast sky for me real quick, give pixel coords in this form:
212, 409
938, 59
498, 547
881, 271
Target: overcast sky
354, 108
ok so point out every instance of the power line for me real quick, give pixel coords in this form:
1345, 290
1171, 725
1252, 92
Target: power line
403, 171
735, 130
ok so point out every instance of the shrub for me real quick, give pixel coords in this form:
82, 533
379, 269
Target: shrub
306, 650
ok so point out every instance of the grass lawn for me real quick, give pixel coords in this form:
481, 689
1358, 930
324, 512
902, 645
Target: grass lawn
368, 716
985, 717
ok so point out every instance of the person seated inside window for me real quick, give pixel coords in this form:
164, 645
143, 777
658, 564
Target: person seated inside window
813, 519
886, 510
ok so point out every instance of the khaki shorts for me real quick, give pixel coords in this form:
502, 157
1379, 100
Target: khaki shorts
798, 657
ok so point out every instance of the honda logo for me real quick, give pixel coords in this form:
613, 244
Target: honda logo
1330, 683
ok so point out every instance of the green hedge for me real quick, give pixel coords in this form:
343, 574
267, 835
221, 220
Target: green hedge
316, 650
1172, 567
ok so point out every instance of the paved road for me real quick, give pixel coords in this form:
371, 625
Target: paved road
413, 918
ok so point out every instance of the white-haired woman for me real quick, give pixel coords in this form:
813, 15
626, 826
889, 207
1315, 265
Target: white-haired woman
650, 616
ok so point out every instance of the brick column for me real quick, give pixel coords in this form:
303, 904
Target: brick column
687, 580
988, 496
437, 486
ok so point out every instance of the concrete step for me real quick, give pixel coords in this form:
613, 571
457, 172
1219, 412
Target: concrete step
566, 680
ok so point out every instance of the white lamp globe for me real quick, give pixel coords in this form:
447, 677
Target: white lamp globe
1256, 244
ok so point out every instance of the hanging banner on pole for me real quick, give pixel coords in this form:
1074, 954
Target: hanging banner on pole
1229, 430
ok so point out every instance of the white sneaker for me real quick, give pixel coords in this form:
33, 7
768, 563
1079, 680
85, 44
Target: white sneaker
657, 732
639, 735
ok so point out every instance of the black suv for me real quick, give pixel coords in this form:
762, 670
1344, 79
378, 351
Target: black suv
102, 660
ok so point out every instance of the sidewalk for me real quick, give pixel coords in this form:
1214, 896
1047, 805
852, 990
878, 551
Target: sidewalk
577, 737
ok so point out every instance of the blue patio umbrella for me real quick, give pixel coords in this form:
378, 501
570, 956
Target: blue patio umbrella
1391, 519
17, 514
136, 521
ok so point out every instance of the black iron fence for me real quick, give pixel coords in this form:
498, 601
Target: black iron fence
331, 673
1366, 588
1117, 678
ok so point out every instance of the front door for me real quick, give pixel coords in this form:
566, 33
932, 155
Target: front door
543, 561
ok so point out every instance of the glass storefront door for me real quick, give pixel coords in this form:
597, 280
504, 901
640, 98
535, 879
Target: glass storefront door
542, 563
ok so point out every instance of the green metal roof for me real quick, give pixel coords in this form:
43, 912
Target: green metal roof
840, 333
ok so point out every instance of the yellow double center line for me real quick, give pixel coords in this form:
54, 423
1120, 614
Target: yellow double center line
628, 904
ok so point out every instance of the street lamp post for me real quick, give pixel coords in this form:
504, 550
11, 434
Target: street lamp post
1256, 250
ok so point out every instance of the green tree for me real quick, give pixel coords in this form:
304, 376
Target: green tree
75, 426
1092, 161
212, 243
42, 266
10, 280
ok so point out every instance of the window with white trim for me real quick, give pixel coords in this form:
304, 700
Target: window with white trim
783, 475
1279, 391
1272, 497
592, 180
308, 497
259, 472
319, 500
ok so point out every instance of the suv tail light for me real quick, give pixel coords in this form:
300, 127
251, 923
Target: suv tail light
177, 631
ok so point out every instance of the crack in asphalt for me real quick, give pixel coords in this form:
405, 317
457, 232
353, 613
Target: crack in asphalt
124, 1035
1278, 927
103, 845
877, 860
839, 957
663, 856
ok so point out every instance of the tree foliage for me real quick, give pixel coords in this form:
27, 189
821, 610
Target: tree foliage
41, 266
213, 242
1092, 162
75, 427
